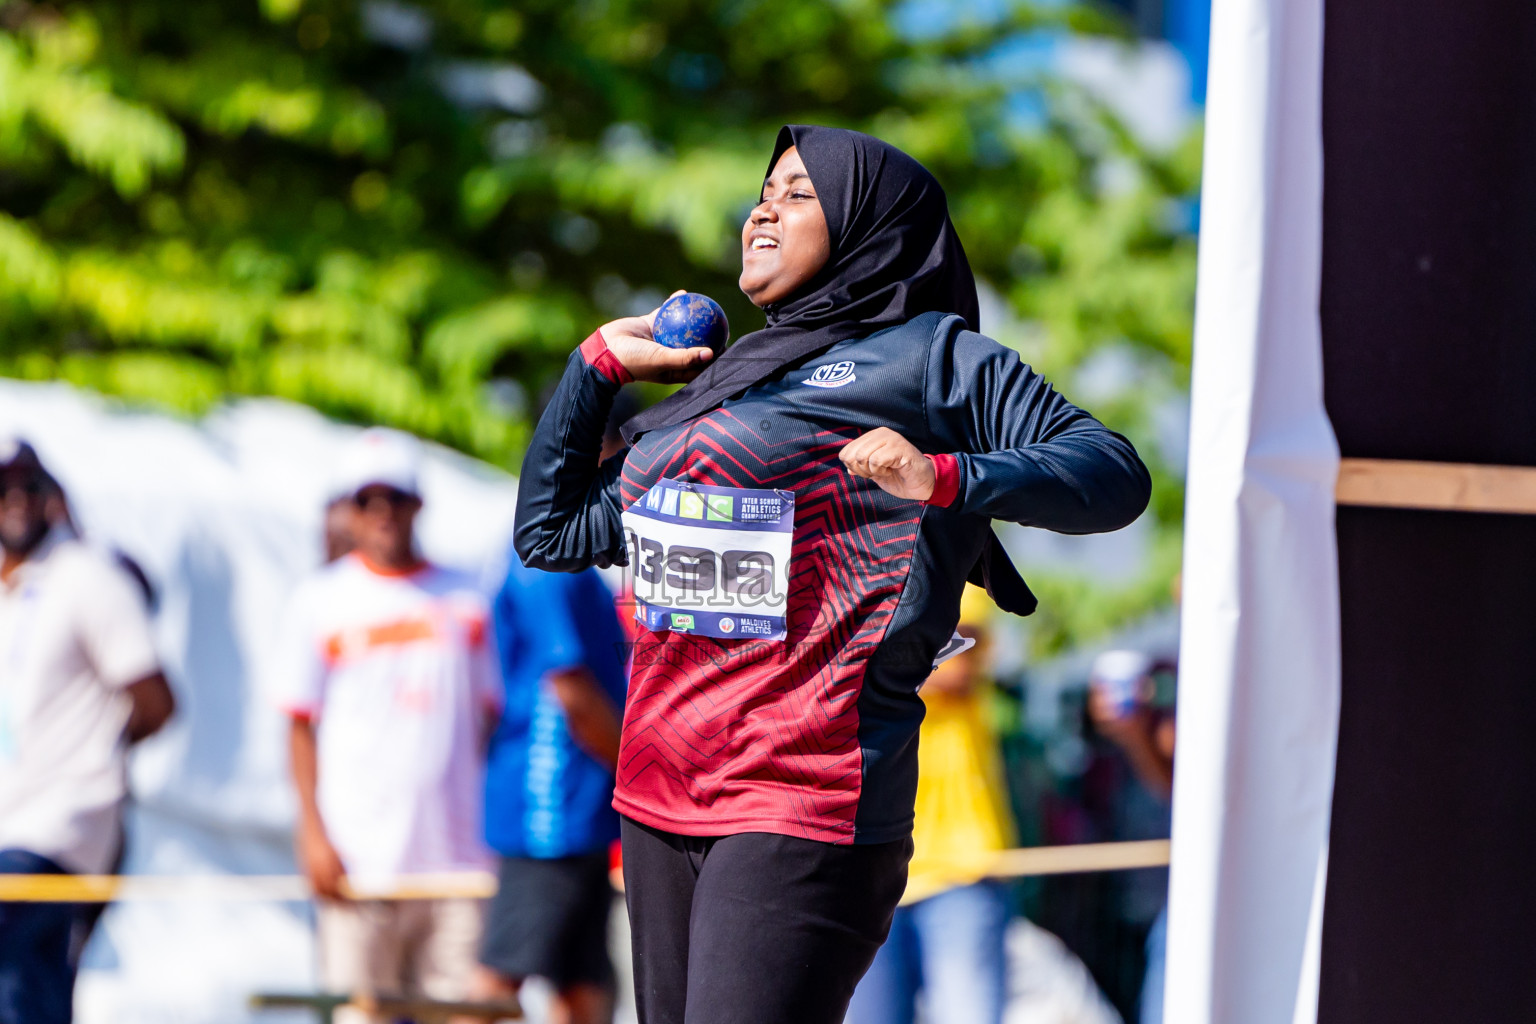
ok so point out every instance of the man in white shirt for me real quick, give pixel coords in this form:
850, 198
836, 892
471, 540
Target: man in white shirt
386, 674
79, 684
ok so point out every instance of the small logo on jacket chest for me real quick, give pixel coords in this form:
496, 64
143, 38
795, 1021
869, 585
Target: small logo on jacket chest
831, 375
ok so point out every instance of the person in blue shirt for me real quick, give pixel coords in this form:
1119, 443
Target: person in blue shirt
549, 789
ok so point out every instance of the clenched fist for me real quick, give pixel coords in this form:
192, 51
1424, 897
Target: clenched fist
893, 462
633, 343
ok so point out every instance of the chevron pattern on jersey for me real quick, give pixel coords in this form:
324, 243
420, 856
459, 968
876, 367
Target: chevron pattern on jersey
742, 735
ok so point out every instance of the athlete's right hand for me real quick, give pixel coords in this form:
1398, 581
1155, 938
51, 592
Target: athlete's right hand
321, 863
632, 342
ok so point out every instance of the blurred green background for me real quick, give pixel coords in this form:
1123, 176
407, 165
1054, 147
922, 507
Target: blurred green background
409, 214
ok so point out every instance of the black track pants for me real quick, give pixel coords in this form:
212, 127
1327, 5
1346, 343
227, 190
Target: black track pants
755, 928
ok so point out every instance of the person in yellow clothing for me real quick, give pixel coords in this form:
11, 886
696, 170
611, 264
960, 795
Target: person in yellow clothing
946, 940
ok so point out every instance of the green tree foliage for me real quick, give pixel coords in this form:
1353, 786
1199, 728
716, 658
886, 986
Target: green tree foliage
408, 214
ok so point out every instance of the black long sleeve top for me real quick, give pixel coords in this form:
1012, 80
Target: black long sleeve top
815, 736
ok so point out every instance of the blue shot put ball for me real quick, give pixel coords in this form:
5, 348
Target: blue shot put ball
691, 320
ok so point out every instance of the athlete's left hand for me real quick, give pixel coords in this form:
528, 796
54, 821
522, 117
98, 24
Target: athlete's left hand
892, 462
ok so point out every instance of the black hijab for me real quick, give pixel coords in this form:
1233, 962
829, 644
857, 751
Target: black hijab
895, 255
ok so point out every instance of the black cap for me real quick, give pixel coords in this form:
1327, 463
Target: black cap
18, 454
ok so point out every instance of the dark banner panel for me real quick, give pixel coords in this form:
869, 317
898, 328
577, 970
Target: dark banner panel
1431, 906
1429, 228
1429, 340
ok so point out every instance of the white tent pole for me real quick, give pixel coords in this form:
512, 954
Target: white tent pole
1259, 653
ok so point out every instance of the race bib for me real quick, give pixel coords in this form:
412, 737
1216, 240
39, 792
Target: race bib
711, 560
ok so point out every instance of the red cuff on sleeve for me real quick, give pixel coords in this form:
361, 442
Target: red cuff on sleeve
947, 483
597, 354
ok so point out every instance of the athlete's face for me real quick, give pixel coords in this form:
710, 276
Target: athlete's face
784, 242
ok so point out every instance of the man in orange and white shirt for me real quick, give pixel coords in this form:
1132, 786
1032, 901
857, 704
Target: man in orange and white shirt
386, 674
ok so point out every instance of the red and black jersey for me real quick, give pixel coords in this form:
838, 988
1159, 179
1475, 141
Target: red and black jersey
816, 735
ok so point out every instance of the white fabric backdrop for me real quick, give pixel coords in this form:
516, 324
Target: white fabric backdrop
1259, 679
224, 515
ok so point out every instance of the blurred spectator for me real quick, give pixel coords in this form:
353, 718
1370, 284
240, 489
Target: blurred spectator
947, 938
1121, 695
549, 786
79, 683
386, 671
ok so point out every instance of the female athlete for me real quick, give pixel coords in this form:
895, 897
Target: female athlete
766, 781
